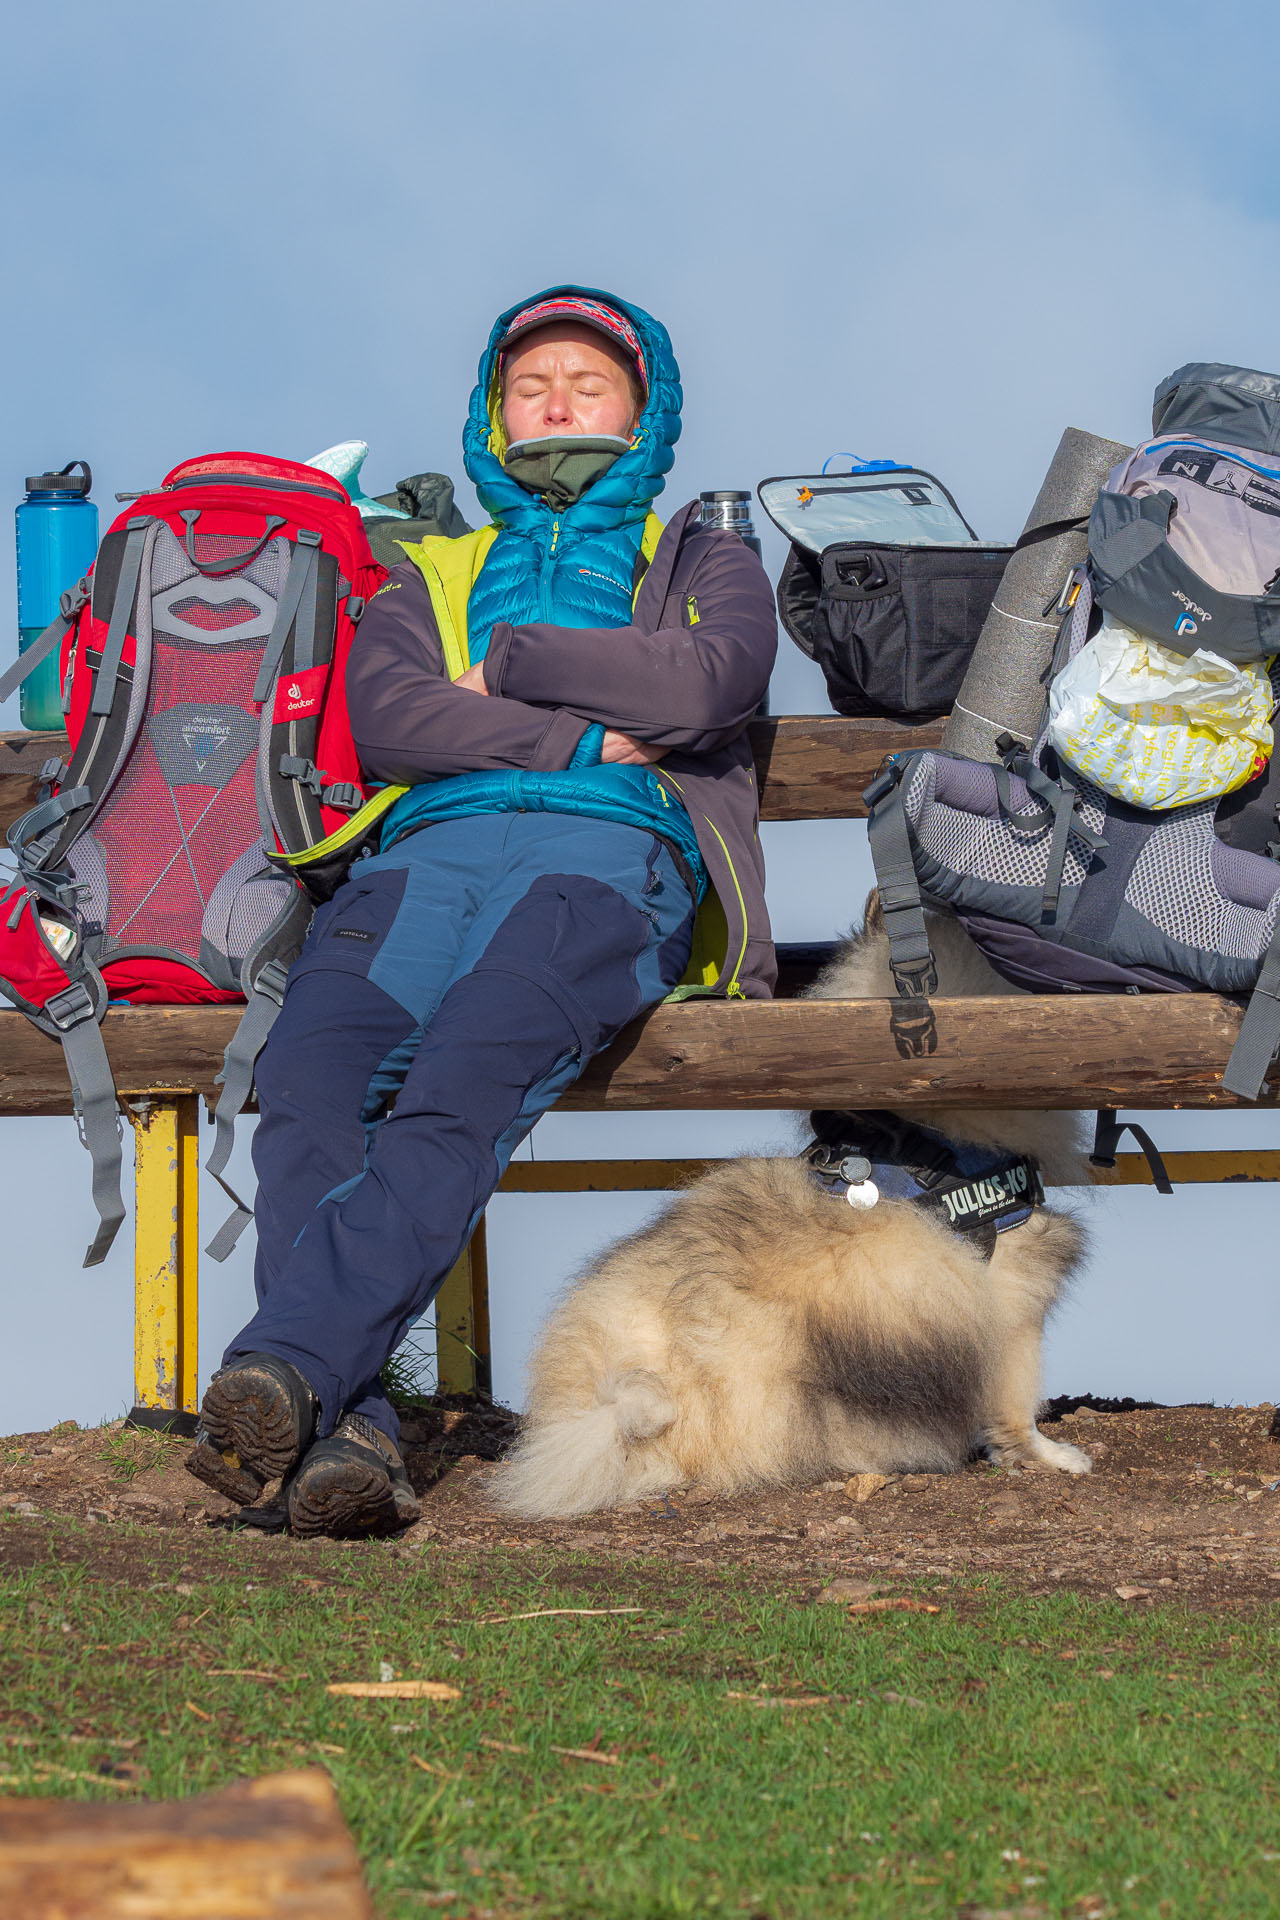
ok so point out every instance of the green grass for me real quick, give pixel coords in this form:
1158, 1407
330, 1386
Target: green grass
1057, 1756
409, 1376
135, 1450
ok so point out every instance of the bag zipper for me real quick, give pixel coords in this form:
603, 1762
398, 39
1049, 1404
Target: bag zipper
544, 573
247, 480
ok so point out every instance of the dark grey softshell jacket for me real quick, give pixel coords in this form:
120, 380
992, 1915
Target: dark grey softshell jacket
687, 675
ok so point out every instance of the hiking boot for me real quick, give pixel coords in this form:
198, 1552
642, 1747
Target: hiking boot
257, 1417
351, 1485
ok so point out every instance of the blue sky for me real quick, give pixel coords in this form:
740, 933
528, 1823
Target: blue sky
934, 232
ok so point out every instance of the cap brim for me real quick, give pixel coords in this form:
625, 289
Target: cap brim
571, 316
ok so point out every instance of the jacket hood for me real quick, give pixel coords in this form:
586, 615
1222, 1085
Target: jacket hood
625, 493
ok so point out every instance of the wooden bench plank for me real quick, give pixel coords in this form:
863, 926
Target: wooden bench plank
810, 766
21, 757
1077, 1050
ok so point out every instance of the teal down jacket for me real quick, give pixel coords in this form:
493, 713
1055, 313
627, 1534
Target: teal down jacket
576, 569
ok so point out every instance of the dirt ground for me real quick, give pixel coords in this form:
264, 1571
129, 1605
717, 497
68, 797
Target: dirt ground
1183, 1503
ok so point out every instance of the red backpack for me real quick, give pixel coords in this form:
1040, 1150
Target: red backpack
212, 793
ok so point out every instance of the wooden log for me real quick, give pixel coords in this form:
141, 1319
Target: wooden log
21, 757
815, 766
1068, 1050
1032, 1051
276, 1848
810, 766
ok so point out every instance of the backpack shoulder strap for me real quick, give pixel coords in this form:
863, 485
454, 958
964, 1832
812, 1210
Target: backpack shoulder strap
266, 997
74, 1016
53, 636
911, 961
1258, 1040
263, 975
104, 691
115, 710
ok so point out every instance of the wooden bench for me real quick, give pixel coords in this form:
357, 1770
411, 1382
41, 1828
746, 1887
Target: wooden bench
1034, 1052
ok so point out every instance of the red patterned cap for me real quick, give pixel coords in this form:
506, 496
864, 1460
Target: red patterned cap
588, 313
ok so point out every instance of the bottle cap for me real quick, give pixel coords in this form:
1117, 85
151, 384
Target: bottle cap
64, 482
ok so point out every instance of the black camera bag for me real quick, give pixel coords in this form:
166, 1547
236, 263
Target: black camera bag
890, 621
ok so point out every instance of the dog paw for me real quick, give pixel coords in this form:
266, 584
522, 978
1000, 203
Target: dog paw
1066, 1459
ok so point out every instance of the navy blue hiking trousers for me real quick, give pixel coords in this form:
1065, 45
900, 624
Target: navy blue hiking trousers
445, 997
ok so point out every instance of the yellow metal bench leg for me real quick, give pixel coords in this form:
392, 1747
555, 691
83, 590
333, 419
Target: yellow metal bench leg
462, 1322
165, 1261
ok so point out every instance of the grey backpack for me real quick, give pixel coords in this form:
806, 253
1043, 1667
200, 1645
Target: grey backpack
1063, 887
1184, 541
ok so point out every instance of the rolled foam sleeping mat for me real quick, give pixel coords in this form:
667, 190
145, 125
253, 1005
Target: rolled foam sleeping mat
1003, 690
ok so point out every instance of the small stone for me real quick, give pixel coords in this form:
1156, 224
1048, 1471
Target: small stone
839, 1527
842, 1593
830, 1486
864, 1486
1133, 1593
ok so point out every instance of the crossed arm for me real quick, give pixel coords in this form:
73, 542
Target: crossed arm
616, 749
538, 689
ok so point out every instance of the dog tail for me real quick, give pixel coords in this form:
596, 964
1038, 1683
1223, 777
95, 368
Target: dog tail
574, 1462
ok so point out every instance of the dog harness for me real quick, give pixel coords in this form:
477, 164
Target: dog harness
978, 1192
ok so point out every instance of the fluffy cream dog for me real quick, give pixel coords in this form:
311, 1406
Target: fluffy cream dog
761, 1332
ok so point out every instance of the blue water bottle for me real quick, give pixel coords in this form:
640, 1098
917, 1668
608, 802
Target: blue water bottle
57, 527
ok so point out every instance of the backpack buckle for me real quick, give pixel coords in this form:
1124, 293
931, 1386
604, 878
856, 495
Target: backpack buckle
70, 1008
915, 979
293, 767
886, 779
344, 795
271, 981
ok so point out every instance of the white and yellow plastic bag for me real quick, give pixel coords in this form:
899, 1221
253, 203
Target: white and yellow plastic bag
1157, 728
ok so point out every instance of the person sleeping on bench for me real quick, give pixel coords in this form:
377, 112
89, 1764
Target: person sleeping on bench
566, 693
